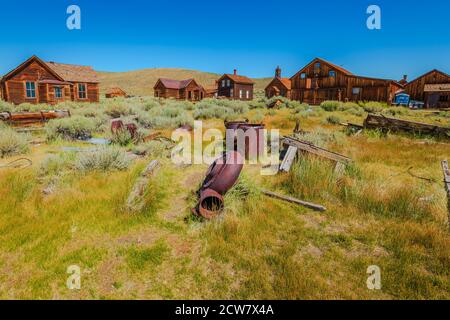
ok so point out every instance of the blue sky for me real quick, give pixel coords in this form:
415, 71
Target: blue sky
217, 36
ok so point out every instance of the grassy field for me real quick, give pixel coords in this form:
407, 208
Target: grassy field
379, 212
141, 82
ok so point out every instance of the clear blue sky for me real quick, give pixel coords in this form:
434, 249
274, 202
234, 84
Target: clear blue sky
217, 36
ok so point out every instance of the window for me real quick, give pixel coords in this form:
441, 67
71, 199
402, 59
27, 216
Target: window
231, 92
303, 75
58, 92
223, 83
31, 89
332, 73
356, 90
81, 91
247, 94
240, 94
317, 65
443, 98
228, 83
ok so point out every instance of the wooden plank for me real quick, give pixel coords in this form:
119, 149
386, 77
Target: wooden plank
288, 159
313, 206
311, 148
446, 171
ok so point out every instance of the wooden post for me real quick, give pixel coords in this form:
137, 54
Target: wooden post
288, 159
446, 172
313, 206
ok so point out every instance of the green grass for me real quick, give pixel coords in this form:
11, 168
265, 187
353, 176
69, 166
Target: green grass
259, 248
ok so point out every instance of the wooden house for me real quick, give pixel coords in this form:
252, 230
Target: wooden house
321, 80
234, 86
432, 88
36, 81
179, 89
279, 86
115, 92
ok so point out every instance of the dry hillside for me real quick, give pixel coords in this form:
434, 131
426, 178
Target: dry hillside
140, 82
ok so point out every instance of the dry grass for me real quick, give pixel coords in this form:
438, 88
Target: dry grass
260, 248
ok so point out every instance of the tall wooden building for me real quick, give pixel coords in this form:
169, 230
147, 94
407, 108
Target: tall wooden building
36, 81
179, 89
321, 80
279, 86
433, 88
234, 86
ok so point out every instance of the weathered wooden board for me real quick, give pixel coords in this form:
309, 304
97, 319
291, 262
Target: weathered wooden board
311, 148
288, 159
316, 207
374, 121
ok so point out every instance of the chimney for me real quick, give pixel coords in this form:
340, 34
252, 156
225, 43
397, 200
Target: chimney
278, 72
235, 72
405, 77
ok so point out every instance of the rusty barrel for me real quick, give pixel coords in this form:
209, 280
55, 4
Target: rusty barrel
251, 135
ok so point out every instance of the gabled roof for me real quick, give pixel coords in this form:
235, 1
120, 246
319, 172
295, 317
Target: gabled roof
338, 68
426, 74
175, 84
286, 82
63, 72
238, 78
74, 73
24, 64
115, 90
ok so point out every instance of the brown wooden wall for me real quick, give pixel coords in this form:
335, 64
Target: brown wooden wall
282, 90
319, 86
15, 92
416, 87
226, 92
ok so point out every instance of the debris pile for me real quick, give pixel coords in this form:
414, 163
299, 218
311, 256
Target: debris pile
26, 119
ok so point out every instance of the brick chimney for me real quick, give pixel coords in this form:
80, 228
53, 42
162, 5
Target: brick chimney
404, 80
235, 72
278, 72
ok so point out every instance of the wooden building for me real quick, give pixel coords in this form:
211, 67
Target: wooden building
36, 81
179, 89
279, 86
321, 80
234, 86
115, 92
432, 88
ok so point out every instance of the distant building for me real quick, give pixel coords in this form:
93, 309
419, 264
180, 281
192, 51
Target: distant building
235, 86
179, 89
279, 86
36, 81
115, 92
321, 80
432, 88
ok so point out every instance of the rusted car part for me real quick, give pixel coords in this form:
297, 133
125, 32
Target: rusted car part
253, 147
25, 119
220, 177
117, 125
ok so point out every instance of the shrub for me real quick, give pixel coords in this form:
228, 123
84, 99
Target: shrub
54, 164
373, 107
117, 108
220, 109
257, 117
394, 111
76, 127
121, 137
164, 117
334, 120
103, 159
322, 137
155, 148
330, 105
12, 143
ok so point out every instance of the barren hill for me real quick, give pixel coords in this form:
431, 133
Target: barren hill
141, 82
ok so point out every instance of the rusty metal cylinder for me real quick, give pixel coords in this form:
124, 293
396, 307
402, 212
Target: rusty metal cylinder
252, 135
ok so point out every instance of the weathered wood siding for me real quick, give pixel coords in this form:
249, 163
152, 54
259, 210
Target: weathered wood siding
319, 85
234, 94
282, 90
